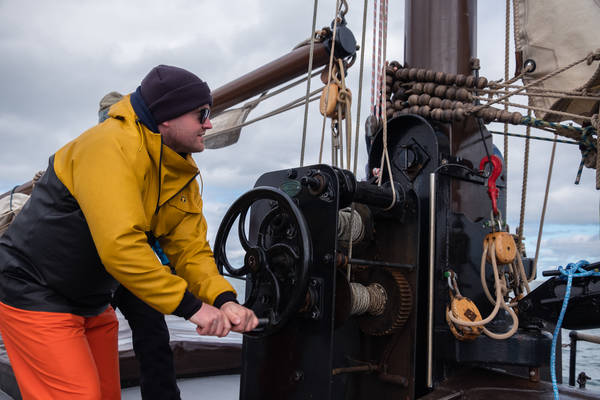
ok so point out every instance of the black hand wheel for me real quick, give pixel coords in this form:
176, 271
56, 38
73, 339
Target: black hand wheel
276, 264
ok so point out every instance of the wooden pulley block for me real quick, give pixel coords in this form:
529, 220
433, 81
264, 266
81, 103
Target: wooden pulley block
464, 309
506, 249
331, 99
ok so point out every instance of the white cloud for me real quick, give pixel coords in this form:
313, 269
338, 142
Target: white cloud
60, 58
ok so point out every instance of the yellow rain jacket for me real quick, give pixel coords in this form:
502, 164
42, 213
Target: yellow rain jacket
102, 196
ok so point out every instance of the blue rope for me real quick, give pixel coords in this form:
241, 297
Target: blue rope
569, 272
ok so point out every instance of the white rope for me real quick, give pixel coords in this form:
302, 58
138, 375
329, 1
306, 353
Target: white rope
541, 229
335, 21
360, 86
310, 67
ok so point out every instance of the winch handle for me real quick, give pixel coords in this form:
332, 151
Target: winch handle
493, 191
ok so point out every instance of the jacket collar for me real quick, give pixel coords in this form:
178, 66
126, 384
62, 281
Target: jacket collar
142, 111
175, 171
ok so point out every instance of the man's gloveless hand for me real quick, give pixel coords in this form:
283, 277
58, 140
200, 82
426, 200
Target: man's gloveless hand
211, 321
242, 319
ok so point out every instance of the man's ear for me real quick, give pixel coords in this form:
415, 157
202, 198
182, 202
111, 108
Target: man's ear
165, 124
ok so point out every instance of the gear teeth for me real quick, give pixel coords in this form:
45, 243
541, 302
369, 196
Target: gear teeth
391, 320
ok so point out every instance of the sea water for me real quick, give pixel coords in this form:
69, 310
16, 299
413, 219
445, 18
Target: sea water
588, 358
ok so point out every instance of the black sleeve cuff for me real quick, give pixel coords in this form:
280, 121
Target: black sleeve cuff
188, 306
224, 298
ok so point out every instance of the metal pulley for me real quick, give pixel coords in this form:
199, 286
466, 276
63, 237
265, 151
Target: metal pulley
345, 43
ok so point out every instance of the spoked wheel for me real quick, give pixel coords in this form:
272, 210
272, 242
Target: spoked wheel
276, 264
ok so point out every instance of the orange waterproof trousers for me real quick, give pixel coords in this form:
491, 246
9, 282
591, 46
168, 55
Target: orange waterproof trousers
62, 356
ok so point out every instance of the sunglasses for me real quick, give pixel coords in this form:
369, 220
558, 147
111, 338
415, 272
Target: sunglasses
203, 115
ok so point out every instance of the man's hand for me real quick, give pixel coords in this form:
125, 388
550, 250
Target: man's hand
242, 319
211, 321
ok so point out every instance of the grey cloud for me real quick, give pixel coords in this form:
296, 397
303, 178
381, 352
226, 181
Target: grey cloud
60, 58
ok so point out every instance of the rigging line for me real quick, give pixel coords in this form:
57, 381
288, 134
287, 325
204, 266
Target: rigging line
506, 63
357, 131
360, 87
487, 151
539, 238
554, 96
289, 106
596, 125
345, 97
536, 137
541, 79
373, 66
545, 110
384, 111
380, 59
266, 95
335, 22
516, 25
524, 185
291, 85
310, 67
594, 95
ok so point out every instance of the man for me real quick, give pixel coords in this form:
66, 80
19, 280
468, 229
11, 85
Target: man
149, 331
86, 229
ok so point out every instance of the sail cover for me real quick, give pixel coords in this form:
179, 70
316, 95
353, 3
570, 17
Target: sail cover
554, 34
226, 130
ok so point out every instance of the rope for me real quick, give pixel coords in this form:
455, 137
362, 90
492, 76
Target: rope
548, 95
516, 26
289, 106
345, 98
335, 22
310, 67
539, 238
498, 301
379, 59
530, 108
367, 299
524, 185
537, 138
569, 272
494, 84
374, 66
357, 132
360, 87
589, 58
360, 299
596, 124
506, 64
378, 299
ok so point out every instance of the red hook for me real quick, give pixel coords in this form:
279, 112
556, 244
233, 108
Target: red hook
496, 171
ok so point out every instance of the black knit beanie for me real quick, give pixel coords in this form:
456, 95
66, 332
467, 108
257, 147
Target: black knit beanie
171, 91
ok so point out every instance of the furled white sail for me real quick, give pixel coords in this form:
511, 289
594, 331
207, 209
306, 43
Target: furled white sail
554, 34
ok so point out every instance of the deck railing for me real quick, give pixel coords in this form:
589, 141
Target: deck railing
575, 336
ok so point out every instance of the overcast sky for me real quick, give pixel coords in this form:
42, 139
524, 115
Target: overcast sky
59, 58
